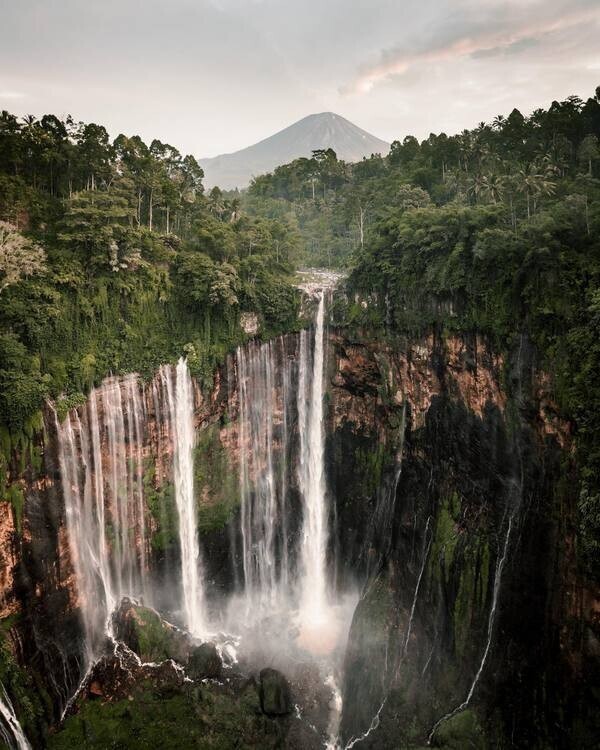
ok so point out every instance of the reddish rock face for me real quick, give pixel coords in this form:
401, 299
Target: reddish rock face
367, 375
8, 601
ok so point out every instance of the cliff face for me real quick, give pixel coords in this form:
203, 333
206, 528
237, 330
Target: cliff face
449, 477
452, 475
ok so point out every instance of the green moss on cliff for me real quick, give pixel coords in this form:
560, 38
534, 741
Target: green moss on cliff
370, 464
200, 718
15, 496
460, 732
470, 599
216, 481
445, 536
161, 504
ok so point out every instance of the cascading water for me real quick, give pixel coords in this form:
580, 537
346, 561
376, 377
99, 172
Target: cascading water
281, 438
181, 416
102, 448
270, 558
11, 731
118, 455
101, 464
313, 603
264, 371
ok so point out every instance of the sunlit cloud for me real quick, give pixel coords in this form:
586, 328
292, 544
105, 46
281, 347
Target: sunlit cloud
485, 43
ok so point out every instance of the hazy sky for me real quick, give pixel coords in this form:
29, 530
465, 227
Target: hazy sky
210, 76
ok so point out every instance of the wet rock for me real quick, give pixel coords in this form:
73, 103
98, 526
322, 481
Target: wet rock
205, 662
117, 676
275, 694
148, 635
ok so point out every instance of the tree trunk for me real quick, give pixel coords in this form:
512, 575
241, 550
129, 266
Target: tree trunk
150, 209
362, 227
587, 215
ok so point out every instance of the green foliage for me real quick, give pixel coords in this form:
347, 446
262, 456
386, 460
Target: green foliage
508, 245
154, 640
216, 482
205, 717
461, 731
160, 501
15, 496
139, 266
370, 465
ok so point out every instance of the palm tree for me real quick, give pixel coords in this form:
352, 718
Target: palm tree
533, 185
493, 187
498, 122
476, 186
233, 207
510, 186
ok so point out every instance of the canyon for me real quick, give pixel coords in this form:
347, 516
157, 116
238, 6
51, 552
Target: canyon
384, 524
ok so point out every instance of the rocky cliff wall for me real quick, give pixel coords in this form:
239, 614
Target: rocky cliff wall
453, 477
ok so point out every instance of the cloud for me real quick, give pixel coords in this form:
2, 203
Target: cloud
482, 43
11, 95
508, 49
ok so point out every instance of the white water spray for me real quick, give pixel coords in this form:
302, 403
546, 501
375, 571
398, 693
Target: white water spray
10, 730
263, 371
181, 408
101, 451
100, 460
313, 550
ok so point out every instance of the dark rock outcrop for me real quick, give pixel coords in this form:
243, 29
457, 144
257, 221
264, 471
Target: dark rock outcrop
205, 662
145, 632
275, 694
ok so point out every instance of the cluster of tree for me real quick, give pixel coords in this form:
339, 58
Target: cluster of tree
112, 259
518, 162
60, 158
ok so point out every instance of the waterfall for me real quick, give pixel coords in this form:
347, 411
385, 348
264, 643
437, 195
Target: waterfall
181, 415
130, 439
264, 377
313, 550
102, 447
11, 731
424, 557
278, 571
100, 453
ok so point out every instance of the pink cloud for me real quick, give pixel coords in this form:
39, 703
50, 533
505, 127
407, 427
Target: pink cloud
397, 62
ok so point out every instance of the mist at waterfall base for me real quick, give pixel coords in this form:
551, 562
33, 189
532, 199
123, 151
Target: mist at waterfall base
130, 441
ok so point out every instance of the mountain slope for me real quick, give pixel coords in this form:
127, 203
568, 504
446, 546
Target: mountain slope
325, 130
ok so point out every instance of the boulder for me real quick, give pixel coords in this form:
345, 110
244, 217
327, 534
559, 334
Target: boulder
275, 693
205, 662
144, 631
